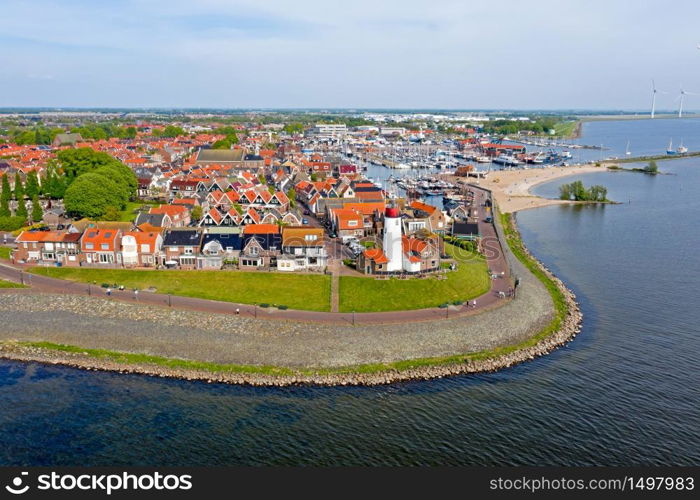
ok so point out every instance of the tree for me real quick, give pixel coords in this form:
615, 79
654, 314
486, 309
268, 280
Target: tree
76, 162
598, 193
227, 142
120, 179
292, 195
172, 131
90, 195
293, 128
112, 213
314, 177
5, 208
196, 213
565, 192
271, 189
37, 211
21, 210
6, 194
54, 185
238, 208
652, 168
32, 185
19, 189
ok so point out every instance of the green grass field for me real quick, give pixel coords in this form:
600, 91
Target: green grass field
470, 280
5, 253
10, 284
565, 128
129, 213
296, 291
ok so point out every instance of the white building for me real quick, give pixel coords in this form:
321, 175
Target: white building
329, 130
392, 244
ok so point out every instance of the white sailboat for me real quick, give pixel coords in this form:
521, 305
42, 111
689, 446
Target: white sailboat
682, 149
627, 149
669, 150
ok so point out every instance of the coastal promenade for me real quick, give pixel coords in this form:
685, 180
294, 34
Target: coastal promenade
274, 347
127, 326
496, 296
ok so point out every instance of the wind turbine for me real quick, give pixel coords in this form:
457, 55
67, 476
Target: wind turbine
680, 99
654, 91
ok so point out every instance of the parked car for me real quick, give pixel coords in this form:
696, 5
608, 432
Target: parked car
304, 221
306, 212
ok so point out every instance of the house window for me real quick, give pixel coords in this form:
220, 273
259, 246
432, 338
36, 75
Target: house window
311, 237
189, 251
145, 248
89, 246
106, 258
352, 223
104, 246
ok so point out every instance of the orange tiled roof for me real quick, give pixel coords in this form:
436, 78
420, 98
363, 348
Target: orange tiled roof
376, 254
261, 229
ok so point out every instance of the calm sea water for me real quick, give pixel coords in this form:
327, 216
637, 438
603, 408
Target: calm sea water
625, 391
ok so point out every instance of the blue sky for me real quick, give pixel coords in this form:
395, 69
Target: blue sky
406, 54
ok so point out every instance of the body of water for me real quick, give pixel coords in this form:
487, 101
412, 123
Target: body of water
624, 392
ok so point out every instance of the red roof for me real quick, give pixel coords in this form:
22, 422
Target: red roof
261, 229
376, 254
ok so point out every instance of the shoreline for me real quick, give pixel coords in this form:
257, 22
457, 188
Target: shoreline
360, 375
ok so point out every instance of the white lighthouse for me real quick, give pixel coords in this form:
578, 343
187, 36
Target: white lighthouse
392, 244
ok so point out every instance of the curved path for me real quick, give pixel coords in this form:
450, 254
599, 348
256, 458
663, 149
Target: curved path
92, 322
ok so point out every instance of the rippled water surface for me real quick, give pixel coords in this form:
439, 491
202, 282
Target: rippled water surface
625, 391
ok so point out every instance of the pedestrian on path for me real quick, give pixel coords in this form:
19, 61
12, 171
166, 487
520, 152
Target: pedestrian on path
238, 311
109, 292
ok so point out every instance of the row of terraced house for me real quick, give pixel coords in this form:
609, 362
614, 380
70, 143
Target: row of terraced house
253, 247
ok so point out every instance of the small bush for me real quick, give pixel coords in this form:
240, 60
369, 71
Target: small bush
282, 307
265, 305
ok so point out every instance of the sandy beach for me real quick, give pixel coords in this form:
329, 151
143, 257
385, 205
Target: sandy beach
511, 188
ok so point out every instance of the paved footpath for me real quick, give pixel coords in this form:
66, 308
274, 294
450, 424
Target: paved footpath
495, 259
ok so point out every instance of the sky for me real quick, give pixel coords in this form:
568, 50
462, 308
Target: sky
349, 54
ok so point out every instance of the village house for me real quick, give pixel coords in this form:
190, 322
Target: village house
303, 248
156, 220
48, 248
181, 248
219, 246
420, 215
141, 249
101, 246
262, 244
347, 223
178, 214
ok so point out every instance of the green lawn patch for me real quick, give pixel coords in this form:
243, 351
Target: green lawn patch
5, 252
10, 284
368, 294
565, 128
296, 291
141, 359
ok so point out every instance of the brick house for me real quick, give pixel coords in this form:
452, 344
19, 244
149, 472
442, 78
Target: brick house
181, 248
101, 247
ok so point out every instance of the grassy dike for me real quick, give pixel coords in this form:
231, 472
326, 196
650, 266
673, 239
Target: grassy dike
561, 328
